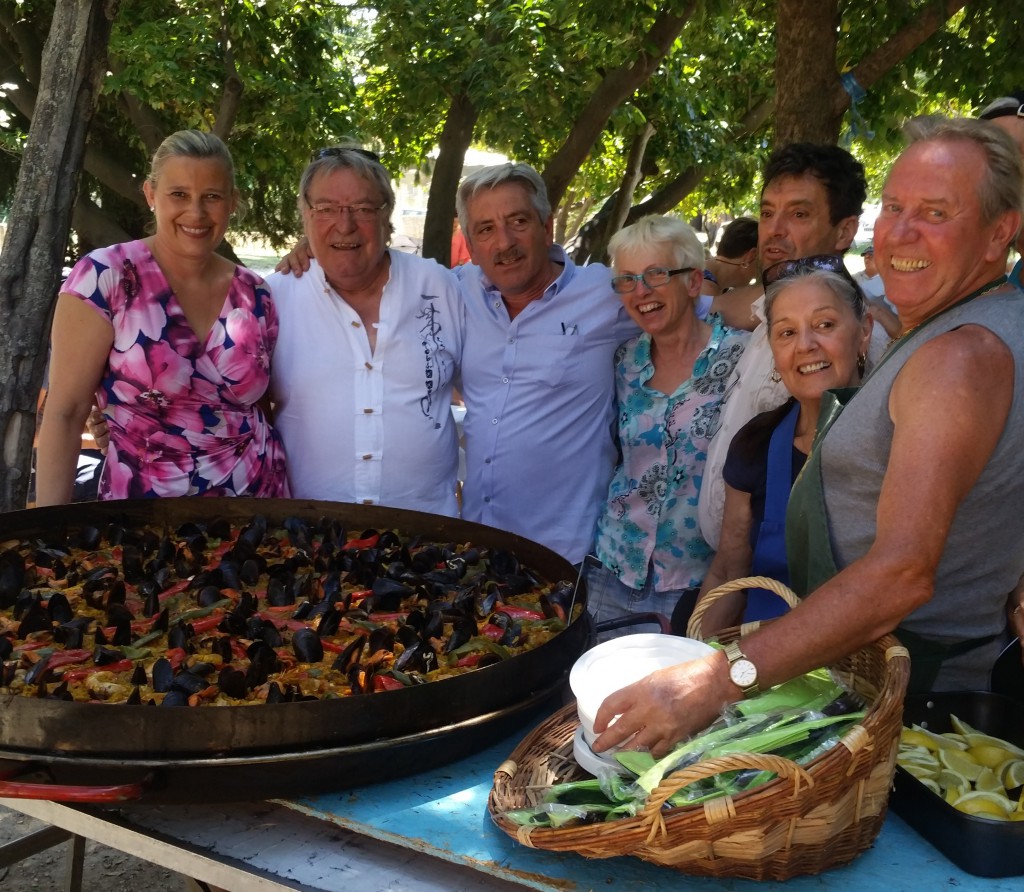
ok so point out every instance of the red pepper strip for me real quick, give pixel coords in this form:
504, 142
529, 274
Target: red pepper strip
207, 622
218, 553
173, 590
469, 660
33, 645
175, 656
238, 649
209, 693
493, 632
386, 683
518, 612
332, 646
361, 595
67, 657
69, 793
86, 671
292, 625
386, 617
284, 608
368, 542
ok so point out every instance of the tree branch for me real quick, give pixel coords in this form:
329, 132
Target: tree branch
873, 67
615, 87
147, 122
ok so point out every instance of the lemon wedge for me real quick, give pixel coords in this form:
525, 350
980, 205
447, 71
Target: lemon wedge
988, 780
988, 755
960, 726
984, 804
978, 741
1013, 774
960, 762
953, 780
918, 736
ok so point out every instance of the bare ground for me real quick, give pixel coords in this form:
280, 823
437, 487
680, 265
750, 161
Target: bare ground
105, 869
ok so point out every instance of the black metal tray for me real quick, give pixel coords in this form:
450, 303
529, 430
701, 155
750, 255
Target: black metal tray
979, 846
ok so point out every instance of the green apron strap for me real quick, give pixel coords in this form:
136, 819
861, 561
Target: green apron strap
808, 544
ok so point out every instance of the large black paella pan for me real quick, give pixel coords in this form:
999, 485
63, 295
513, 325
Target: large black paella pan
284, 748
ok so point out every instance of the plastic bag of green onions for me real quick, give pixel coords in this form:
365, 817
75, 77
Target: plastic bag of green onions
798, 720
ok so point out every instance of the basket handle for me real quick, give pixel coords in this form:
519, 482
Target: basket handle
652, 813
693, 629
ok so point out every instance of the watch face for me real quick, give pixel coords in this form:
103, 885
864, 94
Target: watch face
743, 673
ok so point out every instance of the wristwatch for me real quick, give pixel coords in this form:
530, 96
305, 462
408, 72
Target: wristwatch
742, 672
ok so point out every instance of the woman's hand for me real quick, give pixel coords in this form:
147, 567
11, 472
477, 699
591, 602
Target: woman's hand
296, 261
96, 424
667, 706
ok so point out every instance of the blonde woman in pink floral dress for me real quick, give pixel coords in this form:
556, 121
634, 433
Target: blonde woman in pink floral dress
173, 342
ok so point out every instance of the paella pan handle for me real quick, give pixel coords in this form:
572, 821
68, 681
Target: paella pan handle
12, 789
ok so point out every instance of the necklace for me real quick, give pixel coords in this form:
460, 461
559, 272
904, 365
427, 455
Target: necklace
910, 332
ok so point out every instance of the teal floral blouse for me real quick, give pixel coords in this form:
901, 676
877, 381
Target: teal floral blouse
650, 521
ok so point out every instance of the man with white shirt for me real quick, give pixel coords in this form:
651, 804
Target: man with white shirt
367, 351
537, 367
811, 203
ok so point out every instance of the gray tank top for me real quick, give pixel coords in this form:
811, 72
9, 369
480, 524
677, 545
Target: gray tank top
984, 555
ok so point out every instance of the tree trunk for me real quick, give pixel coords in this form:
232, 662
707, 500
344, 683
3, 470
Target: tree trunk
74, 62
806, 33
455, 139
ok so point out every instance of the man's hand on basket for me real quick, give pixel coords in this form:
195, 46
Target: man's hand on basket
98, 429
667, 706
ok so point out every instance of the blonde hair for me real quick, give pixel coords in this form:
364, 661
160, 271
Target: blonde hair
652, 231
191, 144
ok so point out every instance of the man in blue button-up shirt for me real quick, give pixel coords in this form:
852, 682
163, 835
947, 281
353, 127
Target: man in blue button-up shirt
537, 367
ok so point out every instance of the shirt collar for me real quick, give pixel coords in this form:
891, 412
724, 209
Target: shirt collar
561, 282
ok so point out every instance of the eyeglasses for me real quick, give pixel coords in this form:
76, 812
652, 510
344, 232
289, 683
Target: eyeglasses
341, 151
654, 277
361, 213
832, 263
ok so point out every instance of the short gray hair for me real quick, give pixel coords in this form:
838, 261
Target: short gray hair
1002, 186
191, 144
497, 175
655, 231
360, 161
845, 289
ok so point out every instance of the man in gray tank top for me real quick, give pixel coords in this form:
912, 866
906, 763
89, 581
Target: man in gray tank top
924, 534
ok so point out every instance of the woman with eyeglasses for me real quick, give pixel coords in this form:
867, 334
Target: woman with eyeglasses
173, 342
819, 331
670, 381
370, 341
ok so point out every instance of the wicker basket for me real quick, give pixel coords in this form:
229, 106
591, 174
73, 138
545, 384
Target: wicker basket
807, 820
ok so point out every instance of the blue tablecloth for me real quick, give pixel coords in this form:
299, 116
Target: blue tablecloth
443, 813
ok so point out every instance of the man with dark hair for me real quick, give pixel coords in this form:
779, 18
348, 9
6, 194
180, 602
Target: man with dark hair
810, 204
734, 263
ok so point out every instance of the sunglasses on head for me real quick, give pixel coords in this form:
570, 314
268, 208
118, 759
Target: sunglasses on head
337, 151
832, 263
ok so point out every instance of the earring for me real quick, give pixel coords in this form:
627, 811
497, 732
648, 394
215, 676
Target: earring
862, 362
775, 376
151, 209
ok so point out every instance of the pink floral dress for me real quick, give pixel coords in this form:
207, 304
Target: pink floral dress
182, 414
